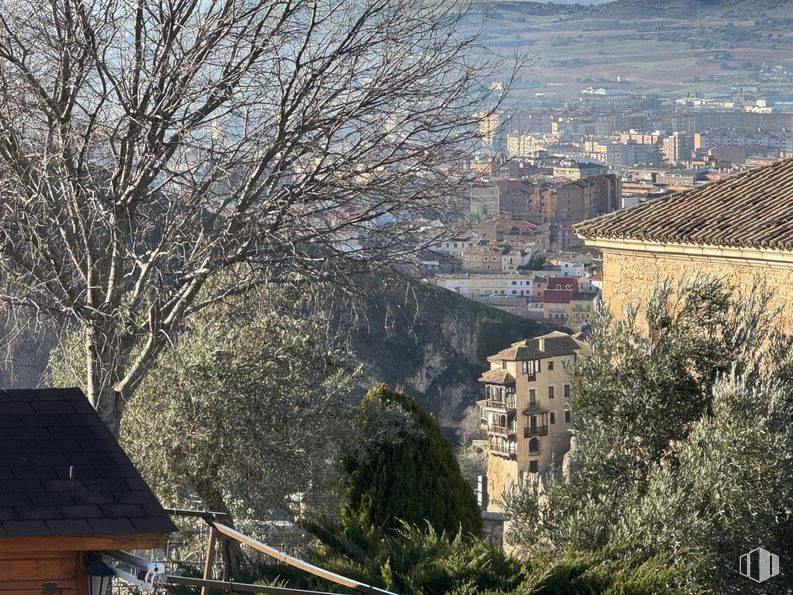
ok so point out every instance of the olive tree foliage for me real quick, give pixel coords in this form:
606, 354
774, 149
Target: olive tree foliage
684, 443
248, 411
147, 147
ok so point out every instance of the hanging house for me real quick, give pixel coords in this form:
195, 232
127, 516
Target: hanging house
67, 489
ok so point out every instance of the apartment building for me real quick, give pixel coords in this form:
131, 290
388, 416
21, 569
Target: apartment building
526, 410
509, 196
677, 147
473, 285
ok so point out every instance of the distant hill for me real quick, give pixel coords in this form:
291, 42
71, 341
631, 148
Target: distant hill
684, 45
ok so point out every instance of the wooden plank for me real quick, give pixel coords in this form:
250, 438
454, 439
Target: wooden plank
208, 559
69, 586
297, 563
242, 587
55, 543
202, 514
46, 569
37, 555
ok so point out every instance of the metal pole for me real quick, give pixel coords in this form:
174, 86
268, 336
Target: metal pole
208, 559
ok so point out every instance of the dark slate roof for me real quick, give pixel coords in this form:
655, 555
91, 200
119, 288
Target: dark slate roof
753, 209
555, 344
43, 433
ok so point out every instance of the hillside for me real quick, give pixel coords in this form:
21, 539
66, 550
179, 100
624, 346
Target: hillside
684, 45
434, 346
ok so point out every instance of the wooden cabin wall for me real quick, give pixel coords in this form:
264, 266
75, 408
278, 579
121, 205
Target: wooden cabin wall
53, 573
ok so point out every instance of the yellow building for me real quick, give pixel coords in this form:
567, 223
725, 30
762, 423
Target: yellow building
526, 411
738, 228
582, 305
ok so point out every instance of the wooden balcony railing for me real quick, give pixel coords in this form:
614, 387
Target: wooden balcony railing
535, 431
501, 430
508, 405
509, 451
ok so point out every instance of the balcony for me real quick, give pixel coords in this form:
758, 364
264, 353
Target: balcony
508, 405
502, 431
535, 431
509, 451
534, 407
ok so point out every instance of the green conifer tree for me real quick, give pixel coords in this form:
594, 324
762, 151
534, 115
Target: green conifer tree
406, 471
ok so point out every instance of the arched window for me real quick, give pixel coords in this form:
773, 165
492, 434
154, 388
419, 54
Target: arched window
534, 445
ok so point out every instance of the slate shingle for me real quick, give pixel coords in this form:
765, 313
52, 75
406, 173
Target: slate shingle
43, 433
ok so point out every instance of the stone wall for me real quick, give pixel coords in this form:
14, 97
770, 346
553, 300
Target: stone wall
493, 527
629, 277
501, 474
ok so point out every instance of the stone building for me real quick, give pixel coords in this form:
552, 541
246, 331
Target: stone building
739, 228
526, 411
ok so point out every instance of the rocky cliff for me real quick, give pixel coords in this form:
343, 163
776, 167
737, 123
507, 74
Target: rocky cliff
434, 345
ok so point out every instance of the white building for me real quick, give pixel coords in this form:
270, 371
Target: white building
473, 285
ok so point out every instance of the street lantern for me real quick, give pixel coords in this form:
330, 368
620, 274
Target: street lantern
100, 577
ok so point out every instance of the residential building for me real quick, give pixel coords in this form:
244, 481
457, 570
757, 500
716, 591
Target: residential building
477, 285
483, 258
563, 283
677, 147
510, 196
575, 170
514, 231
525, 145
455, 246
526, 411
578, 200
513, 258
556, 304
629, 153
581, 305
738, 228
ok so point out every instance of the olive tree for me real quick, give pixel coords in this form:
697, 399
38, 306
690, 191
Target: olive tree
248, 414
147, 147
683, 439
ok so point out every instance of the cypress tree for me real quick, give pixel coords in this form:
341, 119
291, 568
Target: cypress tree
413, 478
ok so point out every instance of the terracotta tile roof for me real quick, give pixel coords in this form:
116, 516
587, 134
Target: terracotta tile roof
43, 434
557, 296
752, 209
563, 283
555, 344
497, 377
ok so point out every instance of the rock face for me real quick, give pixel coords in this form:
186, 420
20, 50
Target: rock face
570, 462
434, 346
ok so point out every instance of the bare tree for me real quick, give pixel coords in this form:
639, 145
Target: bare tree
146, 147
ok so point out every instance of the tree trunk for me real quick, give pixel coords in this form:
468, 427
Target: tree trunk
230, 550
104, 366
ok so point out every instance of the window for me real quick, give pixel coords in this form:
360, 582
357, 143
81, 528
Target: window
553, 417
533, 467
534, 445
550, 392
532, 396
567, 416
567, 391
550, 365
503, 364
